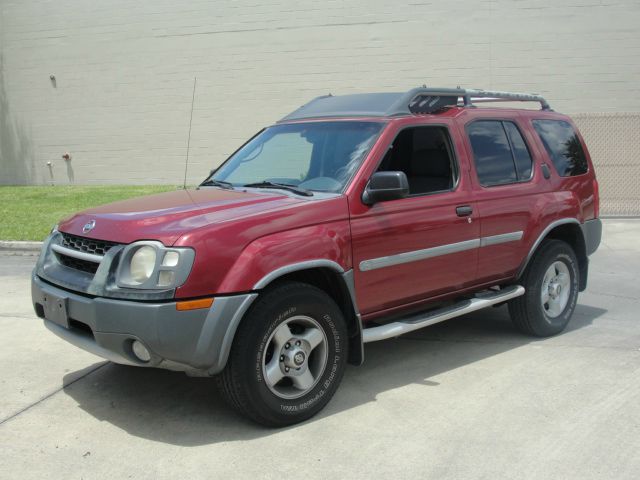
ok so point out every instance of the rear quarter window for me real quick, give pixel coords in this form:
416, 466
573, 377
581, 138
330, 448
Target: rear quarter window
562, 144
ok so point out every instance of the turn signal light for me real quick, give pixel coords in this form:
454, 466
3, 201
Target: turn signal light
194, 304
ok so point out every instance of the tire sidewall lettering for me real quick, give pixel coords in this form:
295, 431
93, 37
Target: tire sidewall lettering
318, 393
263, 341
335, 358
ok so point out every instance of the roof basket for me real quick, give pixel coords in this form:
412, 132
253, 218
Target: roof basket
419, 100
430, 100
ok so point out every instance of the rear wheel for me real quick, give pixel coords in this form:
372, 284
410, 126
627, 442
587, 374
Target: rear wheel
288, 356
551, 282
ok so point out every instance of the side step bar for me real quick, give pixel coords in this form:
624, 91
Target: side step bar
421, 320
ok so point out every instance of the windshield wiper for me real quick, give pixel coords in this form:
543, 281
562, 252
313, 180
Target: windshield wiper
216, 183
282, 186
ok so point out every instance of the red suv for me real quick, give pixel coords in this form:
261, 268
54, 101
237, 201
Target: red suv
354, 219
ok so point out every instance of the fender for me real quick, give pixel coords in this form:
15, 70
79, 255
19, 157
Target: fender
545, 232
227, 313
296, 267
356, 344
325, 245
271, 257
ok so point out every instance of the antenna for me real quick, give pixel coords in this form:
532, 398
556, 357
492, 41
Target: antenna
186, 162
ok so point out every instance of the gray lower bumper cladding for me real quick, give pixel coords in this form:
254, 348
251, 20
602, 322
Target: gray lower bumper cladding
592, 232
195, 341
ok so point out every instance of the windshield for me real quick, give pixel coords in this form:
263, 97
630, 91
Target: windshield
320, 156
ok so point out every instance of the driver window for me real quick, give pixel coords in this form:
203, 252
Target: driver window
425, 155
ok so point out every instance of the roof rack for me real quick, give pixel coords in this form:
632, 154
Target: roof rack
429, 100
419, 100
496, 96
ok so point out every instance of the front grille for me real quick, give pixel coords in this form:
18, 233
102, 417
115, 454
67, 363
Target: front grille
77, 264
87, 245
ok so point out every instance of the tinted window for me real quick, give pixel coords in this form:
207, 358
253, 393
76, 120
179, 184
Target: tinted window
492, 153
521, 154
563, 146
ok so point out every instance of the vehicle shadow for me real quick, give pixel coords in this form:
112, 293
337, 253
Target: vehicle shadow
170, 407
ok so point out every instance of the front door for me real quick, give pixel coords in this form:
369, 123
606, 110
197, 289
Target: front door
422, 246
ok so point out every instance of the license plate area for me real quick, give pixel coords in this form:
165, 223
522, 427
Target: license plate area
55, 309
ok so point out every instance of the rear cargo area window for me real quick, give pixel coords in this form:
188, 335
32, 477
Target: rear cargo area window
563, 146
500, 153
425, 155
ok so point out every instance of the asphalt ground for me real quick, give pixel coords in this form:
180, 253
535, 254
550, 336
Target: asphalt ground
469, 398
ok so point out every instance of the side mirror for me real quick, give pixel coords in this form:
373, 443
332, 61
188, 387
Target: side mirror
384, 186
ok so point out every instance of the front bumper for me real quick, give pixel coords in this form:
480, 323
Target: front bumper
195, 341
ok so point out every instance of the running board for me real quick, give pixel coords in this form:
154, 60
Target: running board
421, 320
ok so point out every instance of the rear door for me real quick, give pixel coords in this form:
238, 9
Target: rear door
426, 245
509, 189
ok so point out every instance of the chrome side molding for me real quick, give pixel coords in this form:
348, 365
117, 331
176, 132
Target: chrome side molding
421, 320
416, 255
501, 238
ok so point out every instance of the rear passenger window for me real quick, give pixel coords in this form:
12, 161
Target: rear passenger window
521, 154
499, 151
563, 146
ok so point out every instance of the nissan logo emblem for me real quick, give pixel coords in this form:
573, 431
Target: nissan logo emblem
89, 226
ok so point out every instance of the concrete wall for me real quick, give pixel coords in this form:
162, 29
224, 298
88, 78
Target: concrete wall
120, 100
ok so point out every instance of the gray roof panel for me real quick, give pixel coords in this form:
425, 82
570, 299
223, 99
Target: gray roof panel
357, 105
417, 100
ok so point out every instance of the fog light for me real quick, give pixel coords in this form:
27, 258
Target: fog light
140, 351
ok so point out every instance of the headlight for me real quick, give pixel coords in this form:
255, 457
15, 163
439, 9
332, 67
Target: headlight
152, 266
143, 263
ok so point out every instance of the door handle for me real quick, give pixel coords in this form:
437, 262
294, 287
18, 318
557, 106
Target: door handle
546, 173
464, 210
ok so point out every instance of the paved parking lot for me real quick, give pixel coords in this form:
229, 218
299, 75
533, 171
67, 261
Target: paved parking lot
470, 398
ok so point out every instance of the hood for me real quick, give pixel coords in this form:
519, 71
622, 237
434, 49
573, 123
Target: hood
166, 216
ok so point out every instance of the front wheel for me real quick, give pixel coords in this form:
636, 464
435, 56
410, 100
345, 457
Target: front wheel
288, 356
551, 284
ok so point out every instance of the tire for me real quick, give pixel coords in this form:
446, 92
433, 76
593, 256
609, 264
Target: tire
553, 271
298, 332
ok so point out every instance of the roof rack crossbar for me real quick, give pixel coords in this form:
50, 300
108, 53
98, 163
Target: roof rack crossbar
480, 96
